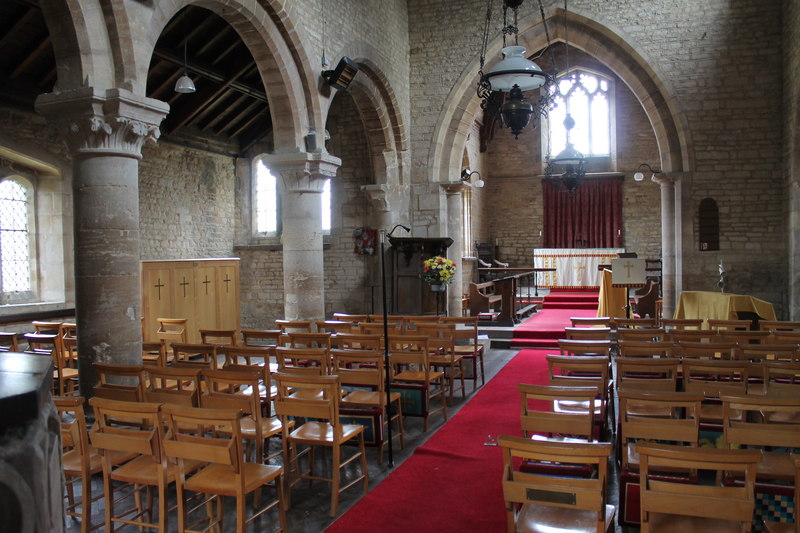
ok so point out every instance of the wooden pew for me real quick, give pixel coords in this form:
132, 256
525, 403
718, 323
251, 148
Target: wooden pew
483, 298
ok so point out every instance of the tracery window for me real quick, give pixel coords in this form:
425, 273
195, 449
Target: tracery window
588, 97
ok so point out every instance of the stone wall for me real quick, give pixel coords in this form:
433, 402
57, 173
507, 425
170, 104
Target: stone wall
699, 53
348, 276
791, 113
186, 200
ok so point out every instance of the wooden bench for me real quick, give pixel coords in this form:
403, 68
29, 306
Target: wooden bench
483, 298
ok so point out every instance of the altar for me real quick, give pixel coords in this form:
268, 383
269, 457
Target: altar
574, 267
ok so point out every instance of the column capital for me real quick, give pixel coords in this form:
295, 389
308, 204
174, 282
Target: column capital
453, 187
303, 171
103, 122
379, 196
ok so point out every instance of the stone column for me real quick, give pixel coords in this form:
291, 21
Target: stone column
104, 131
455, 222
302, 177
668, 256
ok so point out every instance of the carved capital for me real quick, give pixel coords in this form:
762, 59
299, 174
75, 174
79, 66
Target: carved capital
303, 172
453, 187
113, 122
378, 194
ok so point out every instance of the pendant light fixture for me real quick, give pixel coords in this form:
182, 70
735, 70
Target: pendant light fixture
185, 85
513, 74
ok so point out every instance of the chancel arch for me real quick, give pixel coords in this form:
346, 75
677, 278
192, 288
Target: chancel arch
617, 53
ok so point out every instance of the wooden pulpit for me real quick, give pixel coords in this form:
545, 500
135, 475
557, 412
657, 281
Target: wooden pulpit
409, 294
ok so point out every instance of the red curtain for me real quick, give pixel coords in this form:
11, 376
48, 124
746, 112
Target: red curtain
591, 217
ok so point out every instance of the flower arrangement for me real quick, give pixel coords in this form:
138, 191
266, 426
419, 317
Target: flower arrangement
438, 270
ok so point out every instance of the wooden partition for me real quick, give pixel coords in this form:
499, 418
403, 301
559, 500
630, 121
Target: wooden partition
203, 291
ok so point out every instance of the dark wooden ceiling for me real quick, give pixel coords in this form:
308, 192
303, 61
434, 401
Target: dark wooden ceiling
229, 110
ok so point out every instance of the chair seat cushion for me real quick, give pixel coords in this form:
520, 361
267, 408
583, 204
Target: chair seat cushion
545, 519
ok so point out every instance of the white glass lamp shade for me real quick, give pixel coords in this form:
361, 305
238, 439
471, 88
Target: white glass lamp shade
184, 84
638, 176
569, 156
479, 182
515, 69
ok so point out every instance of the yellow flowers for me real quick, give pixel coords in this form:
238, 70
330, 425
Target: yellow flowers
438, 270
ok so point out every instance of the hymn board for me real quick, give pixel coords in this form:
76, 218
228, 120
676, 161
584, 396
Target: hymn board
203, 291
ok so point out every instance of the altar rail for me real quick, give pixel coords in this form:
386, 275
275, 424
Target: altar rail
514, 303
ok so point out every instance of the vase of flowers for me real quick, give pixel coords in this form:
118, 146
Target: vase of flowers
438, 272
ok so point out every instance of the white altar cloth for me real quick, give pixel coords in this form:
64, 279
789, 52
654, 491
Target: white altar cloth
575, 267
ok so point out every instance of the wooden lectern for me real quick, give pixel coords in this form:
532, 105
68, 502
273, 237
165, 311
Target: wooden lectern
409, 294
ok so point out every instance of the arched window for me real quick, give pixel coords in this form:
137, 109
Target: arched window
17, 250
708, 214
588, 97
326, 206
266, 201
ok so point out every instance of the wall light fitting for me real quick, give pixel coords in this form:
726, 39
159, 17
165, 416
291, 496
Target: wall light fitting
467, 174
342, 75
639, 175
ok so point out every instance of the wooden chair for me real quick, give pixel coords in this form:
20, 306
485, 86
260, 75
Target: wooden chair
549, 503
120, 382
248, 355
172, 330
768, 352
362, 373
293, 326
775, 326
784, 337
218, 337
780, 378
641, 334
584, 347
583, 371
743, 338
238, 390
590, 321
224, 473
306, 361
307, 340
65, 377
410, 363
8, 342
667, 506
148, 469
587, 333
652, 416
705, 350
634, 323
322, 428
467, 346
346, 317
260, 337
377, 328
40, 326
712, 379
442, 349
334, 326
784, 527
770, 423
644, 349
720, 324
198, 356
647, 374
539, 415
79, 460
173, 386
357, 341
691, 335
681, 323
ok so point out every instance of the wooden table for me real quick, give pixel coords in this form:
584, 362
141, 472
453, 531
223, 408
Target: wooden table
721, 305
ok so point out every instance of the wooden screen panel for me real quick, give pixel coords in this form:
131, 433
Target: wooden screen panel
206, 287
184, 304
228, 296
156, 300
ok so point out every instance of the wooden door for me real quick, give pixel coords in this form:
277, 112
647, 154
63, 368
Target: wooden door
206, 288
156, 299
184, 304
228, 296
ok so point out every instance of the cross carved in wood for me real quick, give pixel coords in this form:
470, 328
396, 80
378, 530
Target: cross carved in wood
184, 284
158, 286
206, 282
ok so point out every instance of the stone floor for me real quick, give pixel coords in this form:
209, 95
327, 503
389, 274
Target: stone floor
310, 508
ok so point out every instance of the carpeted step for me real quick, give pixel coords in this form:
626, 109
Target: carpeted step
534, 343
569, 305
588, 297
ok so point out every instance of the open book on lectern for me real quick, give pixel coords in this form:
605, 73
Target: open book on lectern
628, 272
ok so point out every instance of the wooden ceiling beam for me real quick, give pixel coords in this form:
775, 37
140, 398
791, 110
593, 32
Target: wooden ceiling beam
39, 50
237, 119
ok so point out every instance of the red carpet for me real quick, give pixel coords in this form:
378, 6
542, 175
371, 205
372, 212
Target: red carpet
452, 482
543, 329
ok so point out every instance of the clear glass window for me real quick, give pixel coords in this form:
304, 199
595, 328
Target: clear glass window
266, 201
326, 206
586, 96
15, 238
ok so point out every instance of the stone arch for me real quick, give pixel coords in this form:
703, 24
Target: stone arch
268, 29
596, 39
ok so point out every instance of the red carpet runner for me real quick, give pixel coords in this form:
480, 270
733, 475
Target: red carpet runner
543, 329
452, 482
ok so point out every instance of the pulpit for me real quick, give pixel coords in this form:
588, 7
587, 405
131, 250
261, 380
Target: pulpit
409, 294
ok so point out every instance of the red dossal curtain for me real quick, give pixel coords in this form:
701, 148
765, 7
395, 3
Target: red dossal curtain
591, 217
